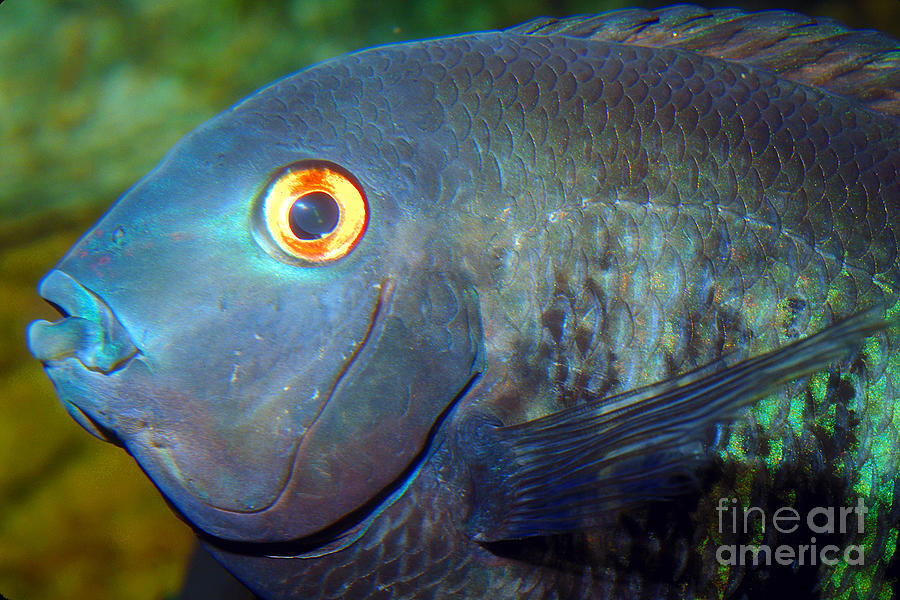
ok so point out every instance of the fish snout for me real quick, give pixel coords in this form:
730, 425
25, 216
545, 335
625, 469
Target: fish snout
88, 330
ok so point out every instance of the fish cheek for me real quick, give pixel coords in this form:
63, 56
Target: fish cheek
382, 413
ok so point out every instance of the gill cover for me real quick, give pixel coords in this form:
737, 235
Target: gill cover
421, 346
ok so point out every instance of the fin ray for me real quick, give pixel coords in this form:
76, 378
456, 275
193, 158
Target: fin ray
860, 64
577, 467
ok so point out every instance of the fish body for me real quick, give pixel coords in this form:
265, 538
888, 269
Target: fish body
542, 265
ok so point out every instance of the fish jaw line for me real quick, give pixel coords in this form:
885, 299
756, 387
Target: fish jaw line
382, 303
89, 424
91, 398
96, 399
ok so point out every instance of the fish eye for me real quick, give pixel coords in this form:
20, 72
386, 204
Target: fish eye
313, 215
315, 211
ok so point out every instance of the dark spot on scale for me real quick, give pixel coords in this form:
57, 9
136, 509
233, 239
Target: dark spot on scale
610, 379
796, 304
694, 343
553, 319
859, 366
595, 290
583, 335
603, 259
721, 333
544, 352
793, 308
839, 392
579, 386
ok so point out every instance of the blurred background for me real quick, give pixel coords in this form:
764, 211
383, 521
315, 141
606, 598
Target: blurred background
92, 94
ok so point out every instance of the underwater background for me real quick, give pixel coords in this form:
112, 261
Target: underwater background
92, 94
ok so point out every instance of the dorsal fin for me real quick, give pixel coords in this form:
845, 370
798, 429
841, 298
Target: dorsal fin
859, 64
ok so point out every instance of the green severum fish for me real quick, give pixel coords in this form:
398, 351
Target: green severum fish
459, 317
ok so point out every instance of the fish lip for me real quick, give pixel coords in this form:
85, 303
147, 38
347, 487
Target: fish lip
88, 331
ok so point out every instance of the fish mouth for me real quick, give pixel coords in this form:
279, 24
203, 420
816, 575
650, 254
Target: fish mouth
88, 331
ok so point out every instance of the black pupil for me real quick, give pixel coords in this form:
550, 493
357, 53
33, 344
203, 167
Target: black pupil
313, 216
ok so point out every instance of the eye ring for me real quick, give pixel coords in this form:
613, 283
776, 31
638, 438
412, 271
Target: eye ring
316, 185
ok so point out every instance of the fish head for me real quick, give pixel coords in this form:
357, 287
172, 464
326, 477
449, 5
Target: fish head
269, 383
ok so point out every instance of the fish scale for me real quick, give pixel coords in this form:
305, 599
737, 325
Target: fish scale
674, 155
585, 246
738, 221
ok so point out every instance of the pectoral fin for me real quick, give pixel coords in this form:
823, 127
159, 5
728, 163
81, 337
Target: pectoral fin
577, 467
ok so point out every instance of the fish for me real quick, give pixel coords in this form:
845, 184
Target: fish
518, 313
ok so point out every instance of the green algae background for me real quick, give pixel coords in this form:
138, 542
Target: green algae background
92, 94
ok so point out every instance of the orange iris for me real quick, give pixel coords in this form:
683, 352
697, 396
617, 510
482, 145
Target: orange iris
309, 189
